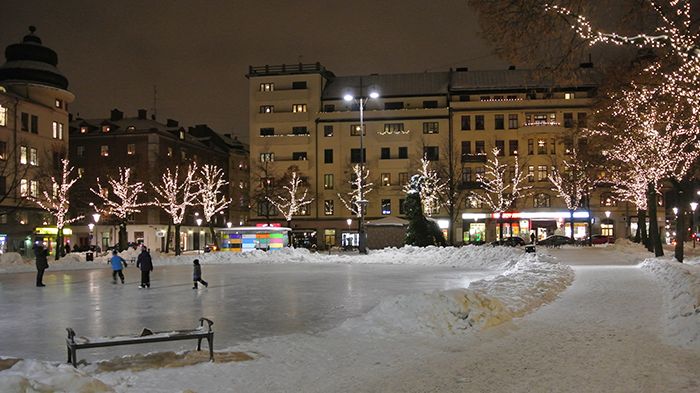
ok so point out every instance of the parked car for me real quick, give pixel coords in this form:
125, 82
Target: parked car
602, 239
555, 241
513, 241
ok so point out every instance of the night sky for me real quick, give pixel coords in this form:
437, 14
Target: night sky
198, 52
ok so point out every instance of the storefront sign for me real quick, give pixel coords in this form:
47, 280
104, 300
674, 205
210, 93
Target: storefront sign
52, 231
541, 215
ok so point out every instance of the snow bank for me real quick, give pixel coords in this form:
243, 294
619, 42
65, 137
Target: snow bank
46, 377
12, 258
529, 283
680, 284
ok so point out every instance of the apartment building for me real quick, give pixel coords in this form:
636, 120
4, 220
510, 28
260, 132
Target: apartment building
299, 119
34, 100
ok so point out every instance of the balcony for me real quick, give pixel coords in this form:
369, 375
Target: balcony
282, 117
286, 139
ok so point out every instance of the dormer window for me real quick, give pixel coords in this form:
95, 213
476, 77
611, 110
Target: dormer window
130, 128
83, 130
106, 128
568, 96
182, 135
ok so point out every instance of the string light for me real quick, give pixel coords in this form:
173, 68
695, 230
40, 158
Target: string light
359, 186
292, 203
120, 199
211, 197
58, 204
173, 195
429, 186
499, 194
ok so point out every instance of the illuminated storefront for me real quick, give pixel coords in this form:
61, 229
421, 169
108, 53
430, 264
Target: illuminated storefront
246, 239
48, 235
522, 224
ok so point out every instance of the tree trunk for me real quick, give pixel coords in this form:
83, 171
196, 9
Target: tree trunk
571, 215
178, 250
59, 244
500, 227
654, 235
213, 235
638, 232
589, 221
167, 239
642, 224
681, 229
290, 238
123, 237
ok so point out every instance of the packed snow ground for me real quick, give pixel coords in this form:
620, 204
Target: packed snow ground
612, 330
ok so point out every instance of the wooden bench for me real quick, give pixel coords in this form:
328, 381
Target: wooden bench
74, 343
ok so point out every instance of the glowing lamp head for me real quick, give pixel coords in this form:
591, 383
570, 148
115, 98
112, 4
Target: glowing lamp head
229, 224
96, 217
607, 214
91, 226
675, 210
374, 94
348, 97
199, 221
693, 206
349, 221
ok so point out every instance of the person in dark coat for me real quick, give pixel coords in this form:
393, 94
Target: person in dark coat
42, 264
145, 263
533, 238
197, 275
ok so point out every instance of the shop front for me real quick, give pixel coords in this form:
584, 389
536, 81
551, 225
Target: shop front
474, 228
48, 235
521, 224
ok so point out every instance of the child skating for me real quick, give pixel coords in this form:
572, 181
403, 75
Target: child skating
117, 263
197, 275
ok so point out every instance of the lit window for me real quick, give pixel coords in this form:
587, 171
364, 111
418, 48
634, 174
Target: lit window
105, 128
60, 131
170, 152
104, 150
23, 155
267, 108
59, 103
355, 130
298, 108
568, 96
55, 129
267, 87
23, 187
83, 130
328, 181
81, 172
386, 206
33, 159
328, 207
3, 116
3, 150
34, 188
131, 149
182, 135
431, 127
267, 157
541, 172
386, 179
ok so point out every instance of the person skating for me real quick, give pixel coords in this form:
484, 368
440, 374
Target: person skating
42, 264
145, 263
197, 275
117, 263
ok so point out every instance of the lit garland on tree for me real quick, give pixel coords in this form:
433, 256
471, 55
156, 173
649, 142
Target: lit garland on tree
497, 192
211, 196
431, 188
360, 187
58, 204
291, 203
120, 199
174, 196
573, 184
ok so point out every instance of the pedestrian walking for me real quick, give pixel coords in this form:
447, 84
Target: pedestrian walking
42, 264
145, 263
197, 275
532, 237
117, 263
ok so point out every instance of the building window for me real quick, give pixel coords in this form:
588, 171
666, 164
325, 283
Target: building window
499, 122
267, 108
512, 121
403, 152
530, 147
328, 181
300, 130
385, 153
35, 124
466, 175
530, 173
386, 207
104, 150
466, 150
541, 172
541, 200
57, 130
480, 147
23, 187
393, 105
430, 104
386, 179
568, 96
33, 158
299, 156
607, 229
299, 108
327, 131
34, 188
431, 153
267, 131
182, 135
298, 85
355, 156
58, 103
265, 208
403, 178
431, 127
355, 130
3, 150
607, 200
329, 108
552, 146
170, 152
23, 151
328, 156
83, 130
479, 172
393, 128
131, 149
541, 146
25, 121
3, 191
568, 120
581, 118
513, 147
267, 87
466, 123
501, 146
3, 116
80, 151
105, 128
183, 155
479, 120
267, 157
328, 207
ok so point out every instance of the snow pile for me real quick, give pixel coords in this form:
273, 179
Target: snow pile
45, 377
11, 258
681, 295
531, 282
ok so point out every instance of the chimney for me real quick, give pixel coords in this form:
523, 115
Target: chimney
172, 123
116, 115
143, 114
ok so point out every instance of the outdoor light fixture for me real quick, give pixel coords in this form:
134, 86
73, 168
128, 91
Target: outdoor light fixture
693, 206
96, 217
607, 214
229, 224
91, 226
362, 101
199, 221
675, 211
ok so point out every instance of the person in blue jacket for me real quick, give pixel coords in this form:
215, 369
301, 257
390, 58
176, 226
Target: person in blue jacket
117, 263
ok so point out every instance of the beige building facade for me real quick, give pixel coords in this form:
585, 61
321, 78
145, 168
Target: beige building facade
299, 119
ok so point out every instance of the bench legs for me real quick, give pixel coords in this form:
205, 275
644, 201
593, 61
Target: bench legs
72, 356
210, 341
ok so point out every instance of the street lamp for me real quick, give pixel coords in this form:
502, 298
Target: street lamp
91, 226
229, 224
199, 234
362, 101
693, 206
675, 211
96, 218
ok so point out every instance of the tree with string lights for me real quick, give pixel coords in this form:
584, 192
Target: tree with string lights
174, 194
57, 204
499, 190
630, 185
359, 185
431, 188
211, 197
293, 199
120, 198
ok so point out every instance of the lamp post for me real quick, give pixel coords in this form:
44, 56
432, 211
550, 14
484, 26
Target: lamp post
349, 221
693, 206
607, 217
199, 234
360, 197
96, 218
91, 226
